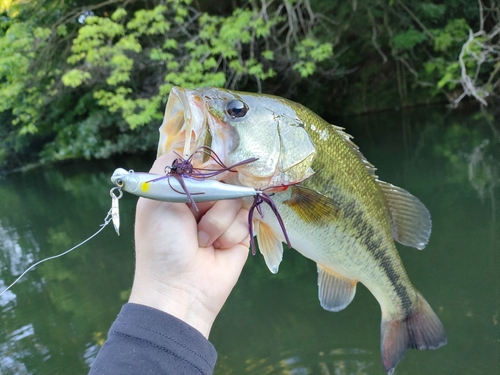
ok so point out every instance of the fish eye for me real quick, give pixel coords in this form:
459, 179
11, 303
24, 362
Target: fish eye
236, 108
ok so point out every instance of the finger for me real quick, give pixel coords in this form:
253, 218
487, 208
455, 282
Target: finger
232, 260
149, 210
162, 217
217, 220
237, 233
163, 161
203, 207
167, 160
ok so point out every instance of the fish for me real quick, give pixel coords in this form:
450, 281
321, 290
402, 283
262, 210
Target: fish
335, 209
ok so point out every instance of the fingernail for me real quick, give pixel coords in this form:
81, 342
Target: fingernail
203, 238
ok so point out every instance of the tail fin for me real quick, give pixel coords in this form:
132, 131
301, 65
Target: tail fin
420, 330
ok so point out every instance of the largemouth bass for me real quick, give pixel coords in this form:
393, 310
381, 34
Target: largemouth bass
335, 209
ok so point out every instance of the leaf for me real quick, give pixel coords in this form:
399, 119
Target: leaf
305, 69
268, 55
75, 77
62, 30
41, 32
433, 10
455, 32
118, 14
409, 39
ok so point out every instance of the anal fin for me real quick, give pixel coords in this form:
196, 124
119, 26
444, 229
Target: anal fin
269, 245
335, 291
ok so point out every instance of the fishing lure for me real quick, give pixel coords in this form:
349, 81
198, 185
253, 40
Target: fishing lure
182, 168
180, 190
190, 185
258, 200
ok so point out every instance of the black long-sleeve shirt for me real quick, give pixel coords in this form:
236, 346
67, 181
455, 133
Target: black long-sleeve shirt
143, 340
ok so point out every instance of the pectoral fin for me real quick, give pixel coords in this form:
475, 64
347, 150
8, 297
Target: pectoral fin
312, 207
269, 245
411, 221
335, 291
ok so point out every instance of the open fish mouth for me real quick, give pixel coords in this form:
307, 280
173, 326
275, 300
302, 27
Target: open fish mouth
184, 126
191, 129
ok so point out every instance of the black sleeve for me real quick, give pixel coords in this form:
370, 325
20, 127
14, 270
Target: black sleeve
143, 340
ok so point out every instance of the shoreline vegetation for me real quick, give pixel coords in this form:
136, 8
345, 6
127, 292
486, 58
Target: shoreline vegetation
90, 79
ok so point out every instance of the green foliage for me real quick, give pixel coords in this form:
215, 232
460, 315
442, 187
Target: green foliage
219, 51
431, 10
75, 77
408, 39
85, 82
455, 32
18, 83
310, 52
429, 51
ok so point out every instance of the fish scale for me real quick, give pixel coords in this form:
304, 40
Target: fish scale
363, 187
349, 178
335, 210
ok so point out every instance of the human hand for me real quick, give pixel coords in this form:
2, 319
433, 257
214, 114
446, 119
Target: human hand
188, 262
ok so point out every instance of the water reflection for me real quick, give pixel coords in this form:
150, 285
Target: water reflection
9, 364
15, 257
90, 353
484, 169
7, 300
51, 318
474, 153
14, 352
338, 361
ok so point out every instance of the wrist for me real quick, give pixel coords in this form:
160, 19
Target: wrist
180, 301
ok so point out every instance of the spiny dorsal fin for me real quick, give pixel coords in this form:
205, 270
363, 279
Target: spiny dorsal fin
269, 245
348, 140
335, 292
312, 207
411, 221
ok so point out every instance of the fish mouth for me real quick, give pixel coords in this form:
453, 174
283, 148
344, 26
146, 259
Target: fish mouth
181, 124
186, 129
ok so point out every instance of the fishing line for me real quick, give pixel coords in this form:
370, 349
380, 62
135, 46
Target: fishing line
107, 220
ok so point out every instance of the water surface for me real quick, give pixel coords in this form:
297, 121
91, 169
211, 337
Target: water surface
55, 319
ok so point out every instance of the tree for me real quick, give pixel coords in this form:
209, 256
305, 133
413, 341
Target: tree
90, 79
106, 73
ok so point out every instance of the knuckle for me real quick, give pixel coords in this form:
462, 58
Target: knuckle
212, 224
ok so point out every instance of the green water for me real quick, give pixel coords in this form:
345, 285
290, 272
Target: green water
53, 321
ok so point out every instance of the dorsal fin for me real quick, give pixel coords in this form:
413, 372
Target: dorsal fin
269, 245
411, 221
312, 207
355, 149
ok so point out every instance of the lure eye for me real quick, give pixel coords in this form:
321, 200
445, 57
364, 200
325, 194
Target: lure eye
119, 182
236, 108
